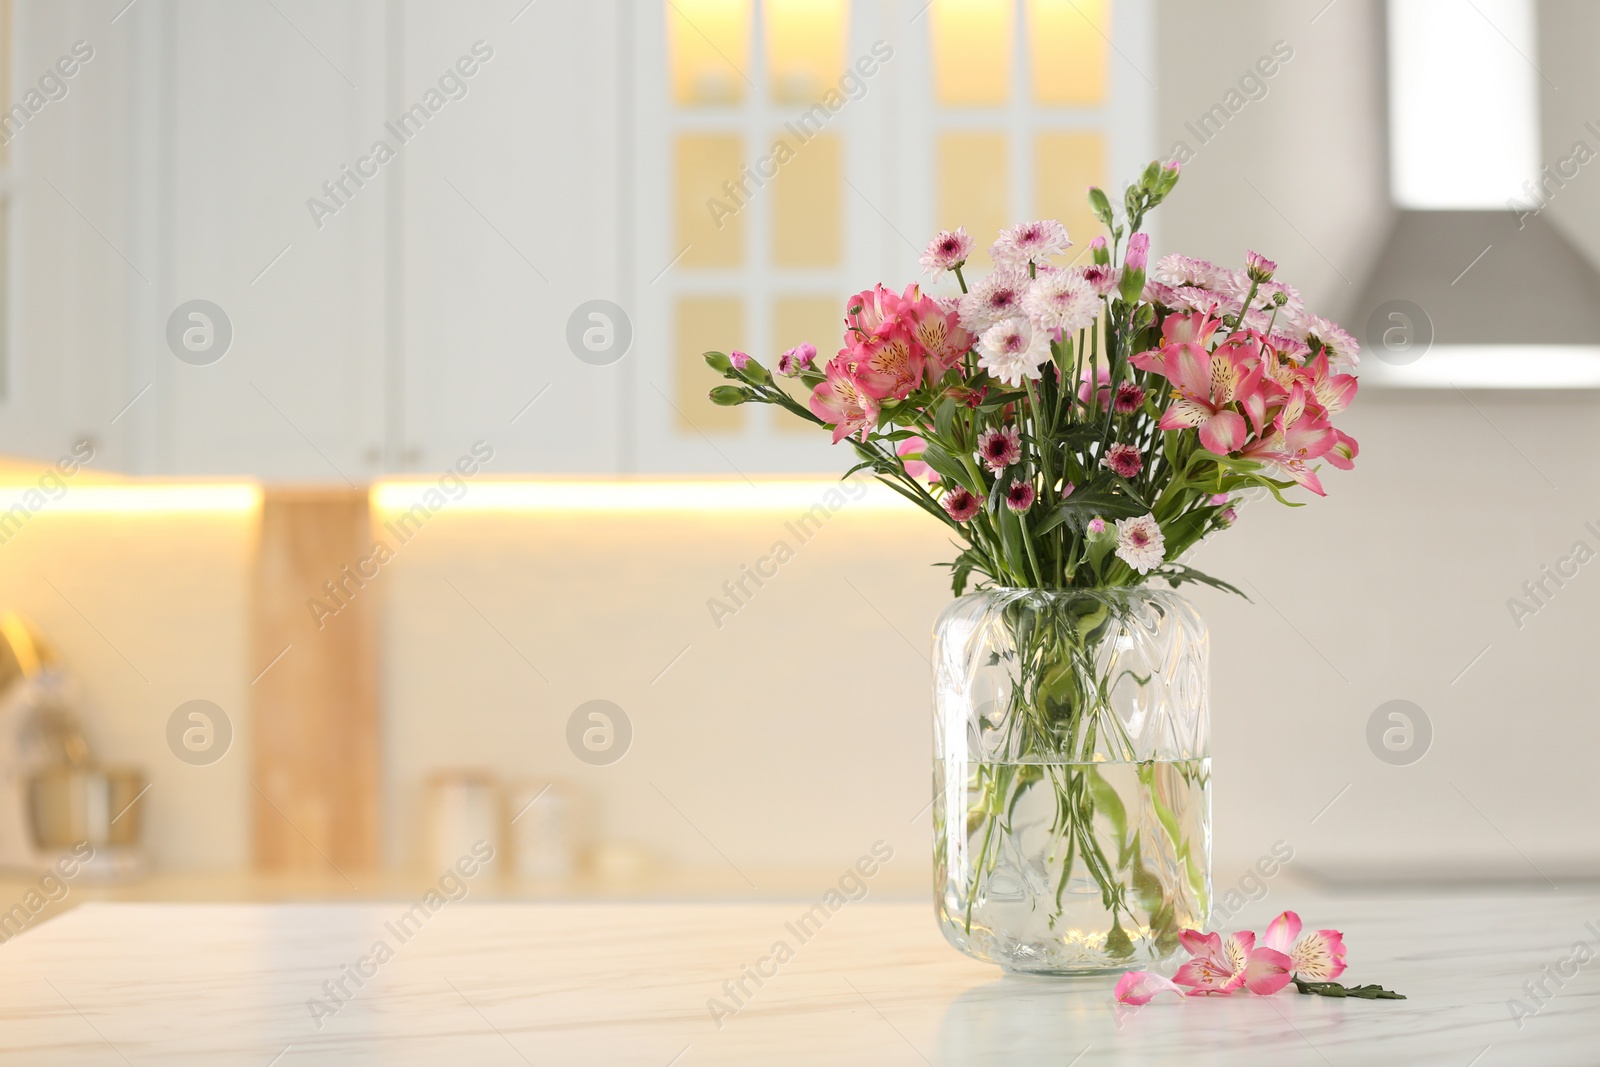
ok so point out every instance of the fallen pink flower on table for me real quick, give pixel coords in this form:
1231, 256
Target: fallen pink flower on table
1316, 957
1140, 987
1218, 967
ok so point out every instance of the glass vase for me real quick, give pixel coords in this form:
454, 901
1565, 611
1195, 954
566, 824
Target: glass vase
1072, 795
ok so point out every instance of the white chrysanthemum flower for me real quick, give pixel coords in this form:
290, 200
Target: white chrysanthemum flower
1013, 350
1029, 242
1178, 271
994, 299
1344, 352
1140, 543
1061, 300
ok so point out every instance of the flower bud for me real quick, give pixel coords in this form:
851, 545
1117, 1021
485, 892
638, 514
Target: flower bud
1138, 252
729, 396
1259, 267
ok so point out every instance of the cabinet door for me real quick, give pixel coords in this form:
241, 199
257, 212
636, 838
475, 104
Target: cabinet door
510, 227
270, 110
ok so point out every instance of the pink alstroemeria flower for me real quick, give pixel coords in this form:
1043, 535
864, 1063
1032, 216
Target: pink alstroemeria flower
1218, 967
1316, 957
839, 400
1205, 386
868, 310
910, 447
888, 365
1296, 437
936, 329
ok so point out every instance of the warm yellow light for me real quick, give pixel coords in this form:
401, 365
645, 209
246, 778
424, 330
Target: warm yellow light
972, 51
1067, 46
805, 47
64, 497
675, 495
708, 42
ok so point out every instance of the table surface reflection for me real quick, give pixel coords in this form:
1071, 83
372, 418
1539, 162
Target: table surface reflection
659, 985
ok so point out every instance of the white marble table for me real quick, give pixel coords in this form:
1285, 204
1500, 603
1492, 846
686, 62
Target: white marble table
591, 984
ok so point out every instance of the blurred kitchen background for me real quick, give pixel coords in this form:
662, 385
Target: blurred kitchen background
242, 345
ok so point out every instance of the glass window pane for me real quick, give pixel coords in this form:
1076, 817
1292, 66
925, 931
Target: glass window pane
710, 221
971, 44
818, 319
706, 324
974, 175
708, 45
807, 228
805, 47
1065, 165
1067, 45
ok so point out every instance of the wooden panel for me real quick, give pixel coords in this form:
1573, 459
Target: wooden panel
316, 709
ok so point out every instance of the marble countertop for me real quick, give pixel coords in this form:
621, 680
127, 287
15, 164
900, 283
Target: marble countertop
631, 983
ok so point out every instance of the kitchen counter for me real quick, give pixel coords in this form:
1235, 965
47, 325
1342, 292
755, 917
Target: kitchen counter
632, 983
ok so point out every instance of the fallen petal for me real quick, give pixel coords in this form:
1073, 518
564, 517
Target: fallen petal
1140, 987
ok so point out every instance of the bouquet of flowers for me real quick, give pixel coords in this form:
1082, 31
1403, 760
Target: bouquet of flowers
1077, 426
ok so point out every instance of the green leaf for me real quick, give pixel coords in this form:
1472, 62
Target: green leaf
1103, 499
1176, 574
1335, 989
949, 470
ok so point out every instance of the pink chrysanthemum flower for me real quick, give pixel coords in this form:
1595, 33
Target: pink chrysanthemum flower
1061, 301
1194, 298
1101, 278
1029, 242
1344, 354
1129, 398
961, 504
1097, 526
947, 251
1000, 447
1020, 496
1140, 543
1181, 271
1216, 500
1124, 460
740, 360
995, 299
1259, 267
1156, 293
796, 359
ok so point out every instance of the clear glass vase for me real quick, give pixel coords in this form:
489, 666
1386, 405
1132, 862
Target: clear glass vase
1072, 777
